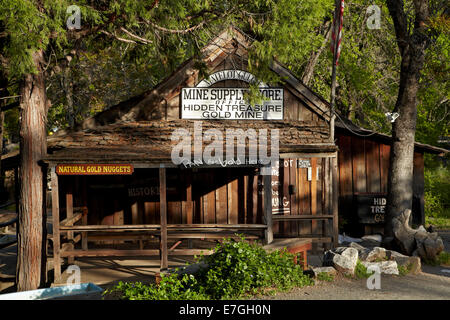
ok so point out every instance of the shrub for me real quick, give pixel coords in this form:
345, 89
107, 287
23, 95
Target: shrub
361, 271
323, 276
404, 270
437, 192
171, 287
238, 267
235, 269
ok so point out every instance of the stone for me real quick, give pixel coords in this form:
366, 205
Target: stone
391, 254
190, 269
373, 237
328, 270
386, 267
343, 260
376, 253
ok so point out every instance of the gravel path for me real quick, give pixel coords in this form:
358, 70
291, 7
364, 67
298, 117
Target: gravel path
422, 286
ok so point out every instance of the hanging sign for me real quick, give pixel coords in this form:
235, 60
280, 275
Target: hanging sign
94, 169
230, 104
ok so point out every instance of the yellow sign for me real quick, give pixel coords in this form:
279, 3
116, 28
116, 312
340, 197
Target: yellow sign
94, 169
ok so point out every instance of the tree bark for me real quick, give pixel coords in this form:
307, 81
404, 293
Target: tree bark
412, 50
33, 146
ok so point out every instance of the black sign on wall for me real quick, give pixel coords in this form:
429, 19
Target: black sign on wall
371, 208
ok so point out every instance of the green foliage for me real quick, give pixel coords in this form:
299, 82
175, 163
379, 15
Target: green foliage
323, 276
361, 271
404, 270
171, 287
443, 259
238, 267
235, 269
437, 192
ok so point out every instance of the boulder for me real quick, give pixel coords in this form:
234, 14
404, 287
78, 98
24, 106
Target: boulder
190, 269
328, 270
373, 237
412, 263
386, 267
375, 254
342, 259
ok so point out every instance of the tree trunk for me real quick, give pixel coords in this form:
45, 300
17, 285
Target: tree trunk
33, 146
400, 181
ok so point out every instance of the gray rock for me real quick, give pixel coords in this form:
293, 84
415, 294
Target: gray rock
356, 246
328, 270
344, 262
386, 267
375, 254
391, 254
191, 269
373, 237
412, 263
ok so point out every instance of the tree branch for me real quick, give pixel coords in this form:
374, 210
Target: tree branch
175, 31
145, 41
118, 38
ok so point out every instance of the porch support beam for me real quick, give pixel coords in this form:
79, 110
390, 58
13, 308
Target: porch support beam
163, 213
268, 233
56, 233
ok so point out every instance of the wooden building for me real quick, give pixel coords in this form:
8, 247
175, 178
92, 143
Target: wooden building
363, 176
116, 190
114, 178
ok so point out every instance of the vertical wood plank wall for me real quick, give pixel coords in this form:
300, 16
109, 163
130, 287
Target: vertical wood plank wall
363, 168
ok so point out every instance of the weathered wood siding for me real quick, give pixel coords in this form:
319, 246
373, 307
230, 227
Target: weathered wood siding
363, 168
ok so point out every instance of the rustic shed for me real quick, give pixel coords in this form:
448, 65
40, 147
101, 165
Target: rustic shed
363, 176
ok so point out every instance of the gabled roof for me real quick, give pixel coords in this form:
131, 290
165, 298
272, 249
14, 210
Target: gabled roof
213, 53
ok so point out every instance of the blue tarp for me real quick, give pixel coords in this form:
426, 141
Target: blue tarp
52, 293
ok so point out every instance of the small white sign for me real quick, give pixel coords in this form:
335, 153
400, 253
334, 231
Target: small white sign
229, 104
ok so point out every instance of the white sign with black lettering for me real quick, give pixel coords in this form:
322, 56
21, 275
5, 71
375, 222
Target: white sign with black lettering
229, 103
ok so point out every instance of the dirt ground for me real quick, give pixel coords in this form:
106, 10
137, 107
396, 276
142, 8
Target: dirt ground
433, 283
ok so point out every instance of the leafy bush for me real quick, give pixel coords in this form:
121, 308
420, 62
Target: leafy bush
238, 267
323, 276
235, 269
404, 270
361, 271
437, 192
443, 259
171, 287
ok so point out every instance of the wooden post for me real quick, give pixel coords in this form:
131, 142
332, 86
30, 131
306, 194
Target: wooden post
56, 234
69, 214
163, 213
84, 219
335, 199
267, 180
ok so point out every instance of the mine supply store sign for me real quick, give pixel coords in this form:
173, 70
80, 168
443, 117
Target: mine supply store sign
94, 169
230, 104
371, 208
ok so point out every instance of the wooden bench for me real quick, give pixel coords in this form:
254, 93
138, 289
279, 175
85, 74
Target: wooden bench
292, 245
